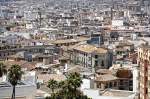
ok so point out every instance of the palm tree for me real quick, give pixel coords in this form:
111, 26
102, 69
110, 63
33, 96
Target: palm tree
52, 84
61, 84
14, 77
74, 81
68, 89
3, 69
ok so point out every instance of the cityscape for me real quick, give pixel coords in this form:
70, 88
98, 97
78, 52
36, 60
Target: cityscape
74, 49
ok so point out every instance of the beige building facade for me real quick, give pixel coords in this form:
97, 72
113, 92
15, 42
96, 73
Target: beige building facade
144, 63
91, 57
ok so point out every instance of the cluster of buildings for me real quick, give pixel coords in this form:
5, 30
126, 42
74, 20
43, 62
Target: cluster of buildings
106, 41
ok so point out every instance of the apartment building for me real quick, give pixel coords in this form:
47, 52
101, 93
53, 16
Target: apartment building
115, 79
90, 56
143, 61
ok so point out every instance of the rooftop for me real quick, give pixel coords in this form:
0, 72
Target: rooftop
47, 77
23, 64
106, 77
125, 43
87, 48
109, 94
69, 40
101, 50
103, 71
117, 93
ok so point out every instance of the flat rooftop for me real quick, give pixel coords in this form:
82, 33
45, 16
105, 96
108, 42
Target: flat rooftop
109, 94
117, 93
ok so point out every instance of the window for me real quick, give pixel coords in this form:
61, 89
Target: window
121, 82
96, 56
130, 83
96, 63
115, 84
98, 86
102, 63
106, 86
149, 84
146, 91
110, 84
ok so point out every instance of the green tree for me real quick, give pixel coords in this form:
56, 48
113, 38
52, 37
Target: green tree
14, 77
52, 84
3, 69
70, 86
61, 84
68, 89
74, 82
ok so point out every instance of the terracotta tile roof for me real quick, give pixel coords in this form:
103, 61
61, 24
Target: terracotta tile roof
101, 50
104, 71
69, 40
106, 77
76, 68
124, 73
47, 77
23, 64
86, 48
126, 43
